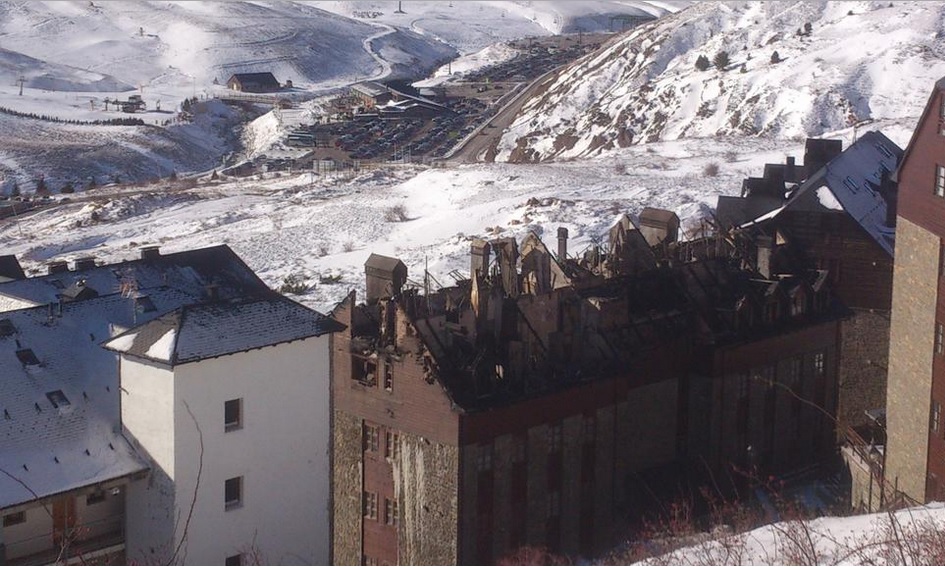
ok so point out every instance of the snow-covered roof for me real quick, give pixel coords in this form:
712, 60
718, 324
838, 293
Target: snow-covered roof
60, 428
854, 179
190, 271
59, 389
369, 88
197, 332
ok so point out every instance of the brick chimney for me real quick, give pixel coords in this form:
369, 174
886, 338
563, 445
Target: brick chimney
562, 243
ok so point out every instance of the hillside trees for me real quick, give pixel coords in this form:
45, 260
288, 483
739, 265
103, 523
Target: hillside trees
702, 63
721, 60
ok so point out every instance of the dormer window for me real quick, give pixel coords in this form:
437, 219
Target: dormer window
6, 328
27, 357
58, 399
143, 304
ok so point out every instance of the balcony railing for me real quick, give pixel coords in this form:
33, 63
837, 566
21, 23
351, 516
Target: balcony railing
83, 543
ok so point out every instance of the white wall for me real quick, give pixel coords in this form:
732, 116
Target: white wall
281, 451
147, 413
32, 536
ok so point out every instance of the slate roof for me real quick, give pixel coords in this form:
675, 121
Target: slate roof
49, 449
197, 332
190, 271
854, 177
370, 88
46, 449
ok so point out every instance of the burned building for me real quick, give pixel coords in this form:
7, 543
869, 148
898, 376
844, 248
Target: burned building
519, 406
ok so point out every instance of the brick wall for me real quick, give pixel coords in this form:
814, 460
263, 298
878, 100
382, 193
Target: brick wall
911, 337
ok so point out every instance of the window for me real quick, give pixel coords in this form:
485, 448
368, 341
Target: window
368, 560
14, 519
233, 414
391, 512
27, 357
234, 559
392, 445
370, 505
935, 417
939, 338
370, 438
819, 364
58, 399
233, 492
484, 458
388, 376
95, 498
6, 328
939, 181
554, 438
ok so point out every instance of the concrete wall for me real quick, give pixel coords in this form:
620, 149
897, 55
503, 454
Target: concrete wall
281, 451
911, 336
32, 536
147, 408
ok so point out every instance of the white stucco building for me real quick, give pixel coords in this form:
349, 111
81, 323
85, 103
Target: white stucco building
230, 402
107, 373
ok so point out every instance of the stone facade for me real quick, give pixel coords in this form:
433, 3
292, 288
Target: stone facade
426, 478
346, 489
911, 336
864, 360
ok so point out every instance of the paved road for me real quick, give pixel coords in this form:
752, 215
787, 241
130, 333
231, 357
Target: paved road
481, 146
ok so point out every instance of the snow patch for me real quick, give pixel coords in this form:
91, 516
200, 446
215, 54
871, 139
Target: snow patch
163, 348
828, 199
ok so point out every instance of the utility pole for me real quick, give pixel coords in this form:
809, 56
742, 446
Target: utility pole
21, 80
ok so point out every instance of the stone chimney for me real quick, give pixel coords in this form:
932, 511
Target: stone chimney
764, 245
150, 252
479, 257
57, 267
86, 263
562, 243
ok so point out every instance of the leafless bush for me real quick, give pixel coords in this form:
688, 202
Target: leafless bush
731, 156
396, 213
348, 246
711, 169
294, 284
620, 168
321, 250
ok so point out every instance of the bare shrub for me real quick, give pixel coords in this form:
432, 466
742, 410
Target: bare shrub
321, 250
294, 284
396, 213
620, 168
711, 169
731, 156
348, 246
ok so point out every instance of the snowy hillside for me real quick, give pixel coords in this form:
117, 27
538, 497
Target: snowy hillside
70, 58
860, 61
323, 228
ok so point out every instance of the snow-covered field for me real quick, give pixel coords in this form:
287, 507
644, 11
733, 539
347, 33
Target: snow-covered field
327, 226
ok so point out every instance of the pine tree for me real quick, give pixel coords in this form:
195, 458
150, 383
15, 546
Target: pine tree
808, 28
775, 58
702, 63
721, 60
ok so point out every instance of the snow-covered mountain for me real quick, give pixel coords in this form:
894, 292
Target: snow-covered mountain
64, 59
859, 61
